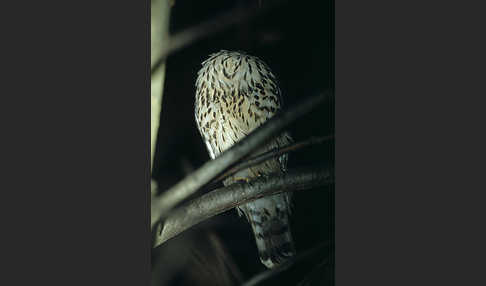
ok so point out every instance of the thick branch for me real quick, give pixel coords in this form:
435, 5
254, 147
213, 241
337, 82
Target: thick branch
189, 185
223, 199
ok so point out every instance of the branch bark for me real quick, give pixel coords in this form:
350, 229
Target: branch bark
162, 204
223, 199
255, 160
159, 38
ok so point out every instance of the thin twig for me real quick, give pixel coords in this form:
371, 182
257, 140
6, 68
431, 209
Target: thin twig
223, 199
255, 160
190, 184
210, 27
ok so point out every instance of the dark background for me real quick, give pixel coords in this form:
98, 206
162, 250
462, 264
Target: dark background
296, 40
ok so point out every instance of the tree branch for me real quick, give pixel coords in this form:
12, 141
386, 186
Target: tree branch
223, 199
255, 160
159, 38
208, 28
162, 204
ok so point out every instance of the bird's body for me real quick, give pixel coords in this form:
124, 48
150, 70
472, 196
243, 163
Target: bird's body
236, 93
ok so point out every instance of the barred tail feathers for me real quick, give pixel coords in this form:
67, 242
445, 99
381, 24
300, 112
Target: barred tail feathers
269, 219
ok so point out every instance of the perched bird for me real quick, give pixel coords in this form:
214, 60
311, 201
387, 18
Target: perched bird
236, 93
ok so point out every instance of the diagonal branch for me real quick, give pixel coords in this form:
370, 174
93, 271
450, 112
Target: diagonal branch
210, 27
162, 204
255, 160
223, 199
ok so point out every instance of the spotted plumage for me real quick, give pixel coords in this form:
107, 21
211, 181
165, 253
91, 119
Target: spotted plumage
236, 93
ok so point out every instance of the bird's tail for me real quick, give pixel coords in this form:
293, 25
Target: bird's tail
272, 233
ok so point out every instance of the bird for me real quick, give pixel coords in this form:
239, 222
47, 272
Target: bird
235, 94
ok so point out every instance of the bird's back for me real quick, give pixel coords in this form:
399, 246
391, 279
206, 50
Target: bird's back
236, 93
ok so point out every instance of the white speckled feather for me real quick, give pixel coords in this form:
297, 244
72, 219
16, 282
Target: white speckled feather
236, 93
